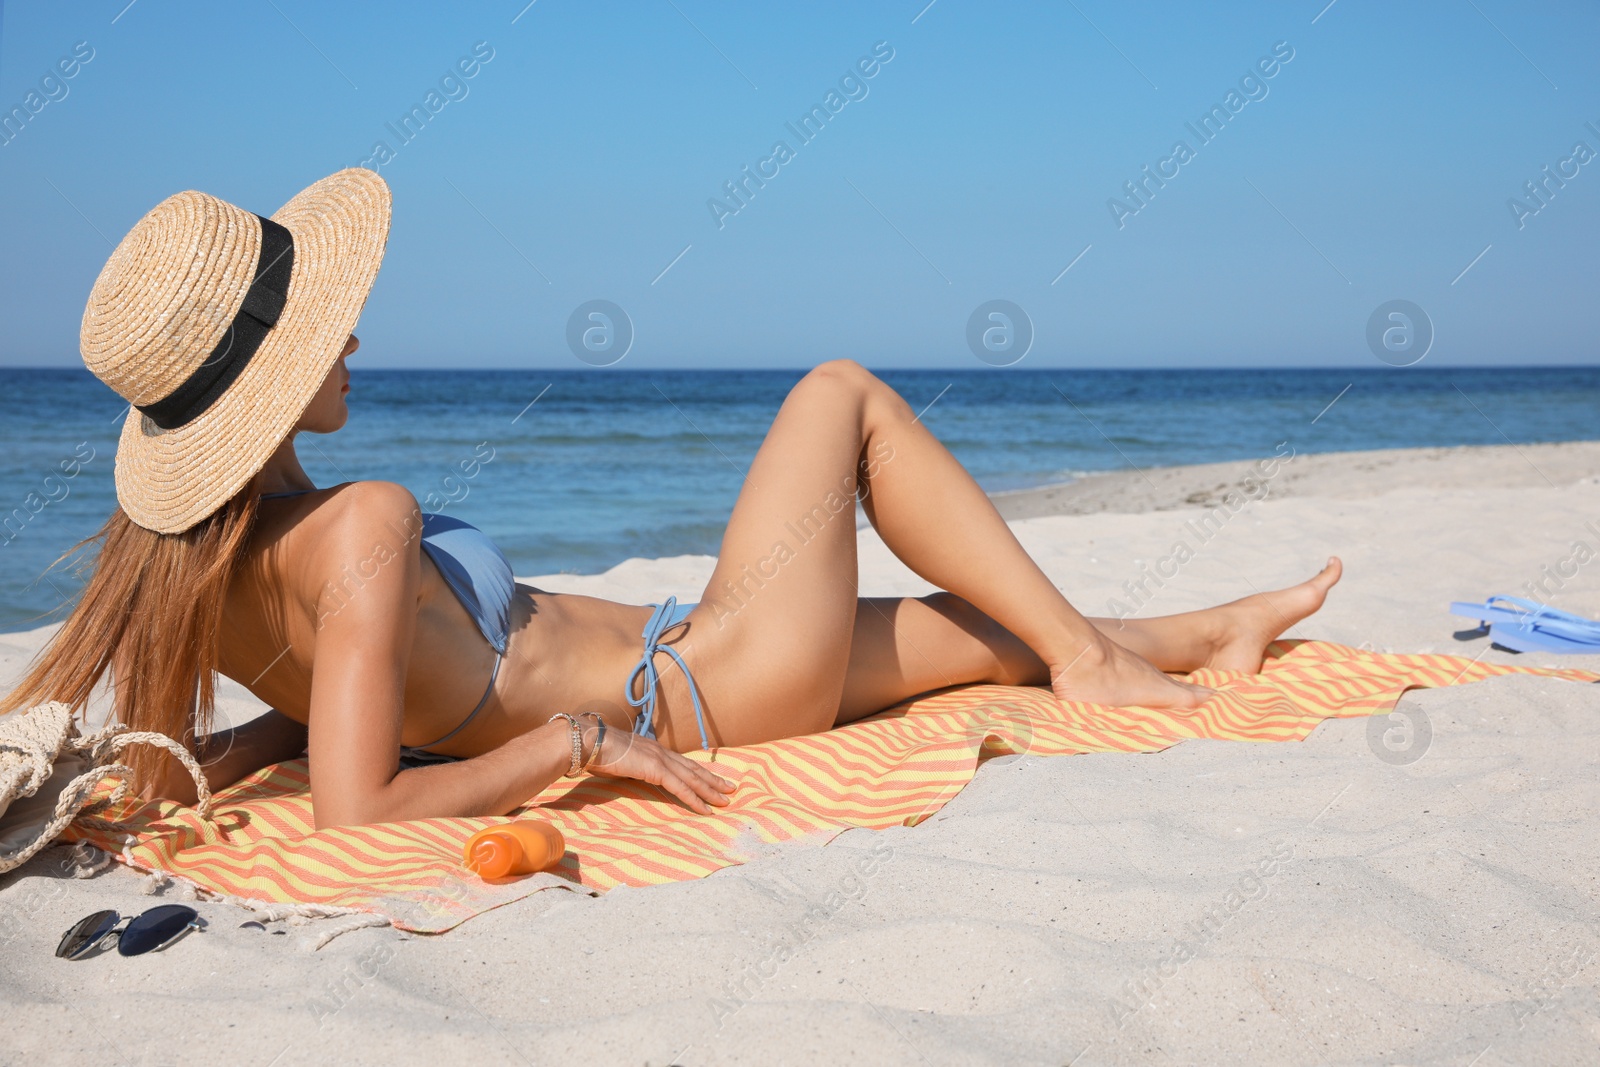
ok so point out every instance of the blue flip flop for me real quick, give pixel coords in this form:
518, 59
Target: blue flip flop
1529, 626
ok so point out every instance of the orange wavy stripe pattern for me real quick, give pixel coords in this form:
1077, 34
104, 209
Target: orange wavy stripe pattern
896, 768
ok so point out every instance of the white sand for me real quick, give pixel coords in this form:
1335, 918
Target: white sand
1216, 903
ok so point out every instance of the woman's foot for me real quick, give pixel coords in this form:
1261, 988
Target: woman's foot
1106, 673
1246, 627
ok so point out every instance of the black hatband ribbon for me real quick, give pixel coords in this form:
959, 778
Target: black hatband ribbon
263, 303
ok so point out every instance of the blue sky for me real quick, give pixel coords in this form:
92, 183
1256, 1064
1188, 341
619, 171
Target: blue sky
578, 162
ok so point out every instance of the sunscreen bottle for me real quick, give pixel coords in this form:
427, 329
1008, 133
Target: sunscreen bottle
512, 848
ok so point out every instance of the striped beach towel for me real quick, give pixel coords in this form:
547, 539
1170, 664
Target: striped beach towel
893, 769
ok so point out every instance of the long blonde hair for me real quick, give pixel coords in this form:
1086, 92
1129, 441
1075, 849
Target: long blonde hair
151, 613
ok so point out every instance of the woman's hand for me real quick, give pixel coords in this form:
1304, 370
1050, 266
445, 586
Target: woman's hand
629, 755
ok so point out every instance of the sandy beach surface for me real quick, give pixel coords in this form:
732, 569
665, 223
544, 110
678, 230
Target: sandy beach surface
1422, 892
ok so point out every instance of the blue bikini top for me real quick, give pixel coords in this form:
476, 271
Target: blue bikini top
477, 572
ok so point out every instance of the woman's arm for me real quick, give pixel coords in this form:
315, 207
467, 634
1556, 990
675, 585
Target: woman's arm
226, 756
370, 556
526, 765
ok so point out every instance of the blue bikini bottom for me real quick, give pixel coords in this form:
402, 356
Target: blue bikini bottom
666, 617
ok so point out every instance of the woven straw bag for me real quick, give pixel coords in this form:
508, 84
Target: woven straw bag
48, 772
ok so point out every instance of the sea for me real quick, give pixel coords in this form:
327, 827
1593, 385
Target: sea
577, 470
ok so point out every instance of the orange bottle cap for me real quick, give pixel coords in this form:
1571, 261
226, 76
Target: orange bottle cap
494, 855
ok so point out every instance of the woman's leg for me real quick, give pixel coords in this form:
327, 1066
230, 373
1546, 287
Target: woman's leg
903, 647
771, 640
1229, 637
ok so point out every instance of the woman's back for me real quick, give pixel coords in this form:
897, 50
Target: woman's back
316, 555
473, 566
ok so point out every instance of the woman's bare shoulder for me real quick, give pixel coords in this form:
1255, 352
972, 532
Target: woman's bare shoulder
356, 525
352, 501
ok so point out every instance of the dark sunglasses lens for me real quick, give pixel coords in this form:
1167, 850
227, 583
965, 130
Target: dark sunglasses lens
85, 933
155, 928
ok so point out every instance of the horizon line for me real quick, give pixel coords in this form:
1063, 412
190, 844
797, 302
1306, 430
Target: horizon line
929, 369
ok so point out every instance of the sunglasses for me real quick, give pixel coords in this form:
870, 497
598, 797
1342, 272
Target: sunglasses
149, 931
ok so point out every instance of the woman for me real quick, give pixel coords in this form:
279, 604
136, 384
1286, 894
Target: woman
370, 627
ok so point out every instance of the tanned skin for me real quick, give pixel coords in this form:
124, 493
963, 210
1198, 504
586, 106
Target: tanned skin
780, 645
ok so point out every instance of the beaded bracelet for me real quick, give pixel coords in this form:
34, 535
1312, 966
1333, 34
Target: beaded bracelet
577, 743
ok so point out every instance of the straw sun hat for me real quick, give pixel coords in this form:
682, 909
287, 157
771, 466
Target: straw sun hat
218, 327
